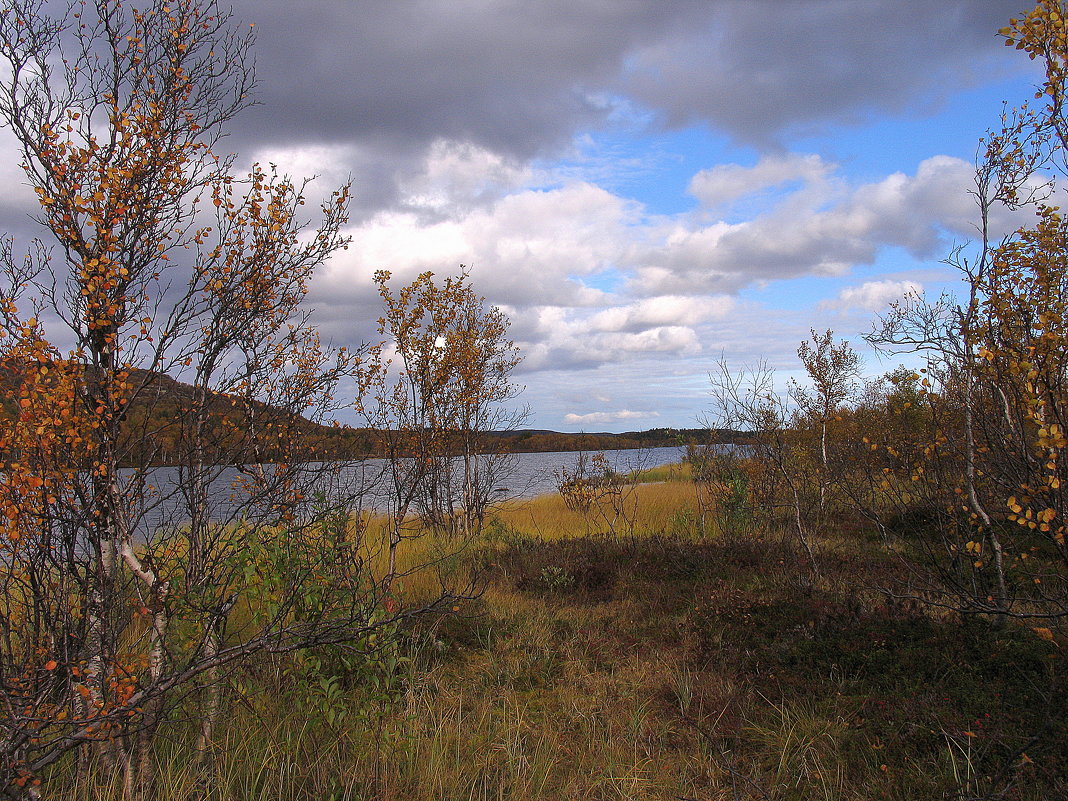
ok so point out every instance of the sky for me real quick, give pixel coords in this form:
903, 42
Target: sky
643, 186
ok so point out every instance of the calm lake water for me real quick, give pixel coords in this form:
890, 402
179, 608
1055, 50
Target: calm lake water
535, 473
527, 475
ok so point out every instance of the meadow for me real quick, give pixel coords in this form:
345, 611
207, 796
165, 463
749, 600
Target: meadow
652, 652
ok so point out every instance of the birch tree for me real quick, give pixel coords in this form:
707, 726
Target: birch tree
155, 258
439, 401
834, 373
998, 346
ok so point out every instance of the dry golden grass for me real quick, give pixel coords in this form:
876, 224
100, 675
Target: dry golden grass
646, 508
672, 664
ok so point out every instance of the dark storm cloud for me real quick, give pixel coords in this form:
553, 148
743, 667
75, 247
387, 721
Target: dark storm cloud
520, 77
762, 68
510, 76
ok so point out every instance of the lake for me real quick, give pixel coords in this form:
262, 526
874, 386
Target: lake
527, 475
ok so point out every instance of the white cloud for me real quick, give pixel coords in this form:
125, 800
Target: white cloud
458, 175
329, 164
525, 249
535, 250
661, 339
562, 337
608, 417
663, 310
872, 296
816, 230
727, 182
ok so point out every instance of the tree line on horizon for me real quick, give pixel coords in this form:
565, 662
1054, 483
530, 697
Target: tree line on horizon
152, 432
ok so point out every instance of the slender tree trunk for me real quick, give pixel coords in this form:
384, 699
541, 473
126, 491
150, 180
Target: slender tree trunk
146, 775
209, 715
107, 529
823, 457
779, 457
1001, 599
140, 775
470, 503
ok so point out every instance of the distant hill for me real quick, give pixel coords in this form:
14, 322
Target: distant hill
158, 424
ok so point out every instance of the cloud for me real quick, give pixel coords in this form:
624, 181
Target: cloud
660, 311
872, 296
608, 417
534, 248
17, 200
822, 228
391, 81
727, 182
458, 176
543, 253
661, 339
512, 77
518, 77
527, 249
761, 68
449, 116
563, 339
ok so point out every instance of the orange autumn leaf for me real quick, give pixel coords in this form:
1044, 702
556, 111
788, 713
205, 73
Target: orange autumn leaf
1044, 633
